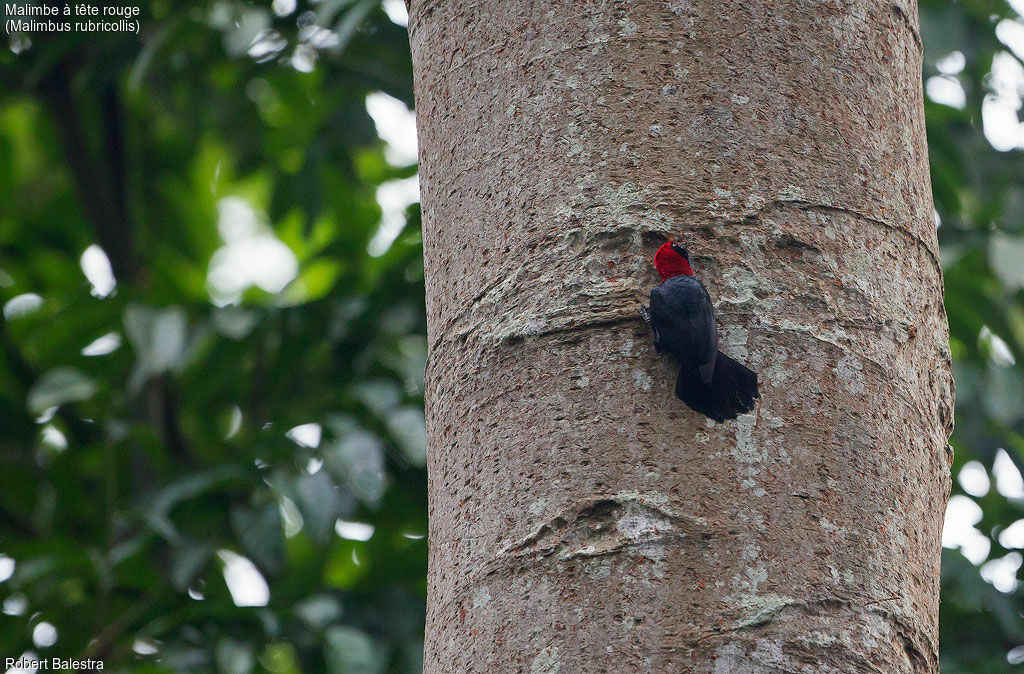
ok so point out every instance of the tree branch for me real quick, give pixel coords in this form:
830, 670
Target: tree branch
101, 198
103, 188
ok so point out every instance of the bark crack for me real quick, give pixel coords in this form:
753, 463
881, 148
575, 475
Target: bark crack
905, 18
560, 321
600, 526
828, 208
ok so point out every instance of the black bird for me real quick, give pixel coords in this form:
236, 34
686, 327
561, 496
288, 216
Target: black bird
682, 319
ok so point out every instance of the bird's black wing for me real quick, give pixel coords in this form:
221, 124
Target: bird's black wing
683, 320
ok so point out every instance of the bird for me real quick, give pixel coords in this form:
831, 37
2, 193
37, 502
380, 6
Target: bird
682, 320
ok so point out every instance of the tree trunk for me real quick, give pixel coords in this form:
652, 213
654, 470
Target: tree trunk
582, 518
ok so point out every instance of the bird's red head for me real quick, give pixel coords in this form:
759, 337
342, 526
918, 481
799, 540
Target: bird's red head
672, 260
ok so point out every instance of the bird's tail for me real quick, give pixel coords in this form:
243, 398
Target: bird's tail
731, 392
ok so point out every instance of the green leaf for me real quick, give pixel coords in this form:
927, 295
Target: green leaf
351, 21
380, 395
1006, 253
313, 283
408, 426
234, 322
357, 460
58, 387
158, 508
260, 534
188, 558
319, 611
234, 657
351, 651
158, 337
318, 502
1004, 395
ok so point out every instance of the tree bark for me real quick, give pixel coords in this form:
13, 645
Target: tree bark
583, 519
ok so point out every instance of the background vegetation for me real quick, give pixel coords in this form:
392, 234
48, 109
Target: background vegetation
212, 340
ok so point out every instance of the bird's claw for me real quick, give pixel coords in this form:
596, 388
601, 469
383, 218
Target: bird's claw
645, 313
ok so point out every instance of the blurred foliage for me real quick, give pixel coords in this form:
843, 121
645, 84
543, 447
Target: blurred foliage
979, 198
145, 444
165, 437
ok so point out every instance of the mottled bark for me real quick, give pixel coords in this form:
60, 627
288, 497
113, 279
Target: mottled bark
582, 518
